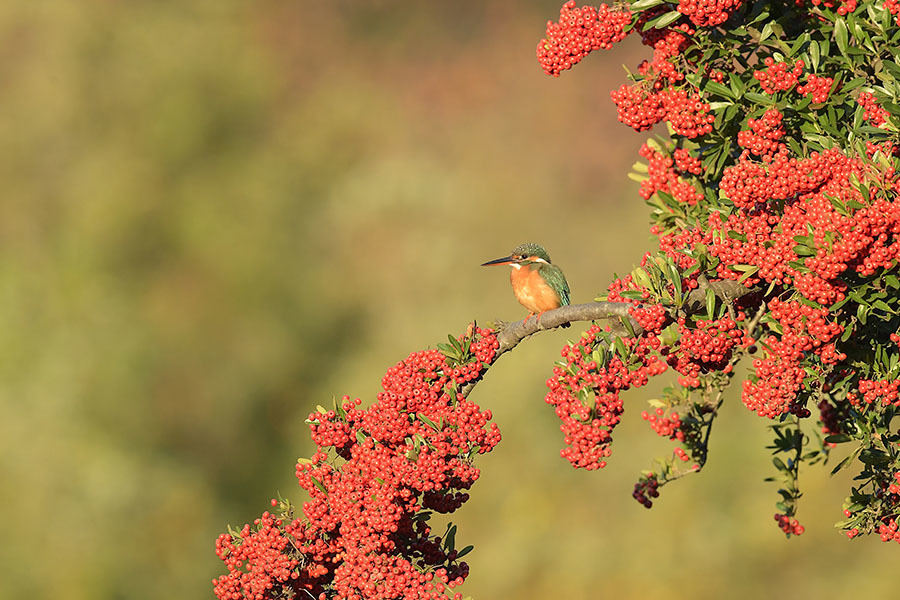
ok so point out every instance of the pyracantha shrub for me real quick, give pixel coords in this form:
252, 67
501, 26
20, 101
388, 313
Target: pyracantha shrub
376, 478
775, 204
774, 199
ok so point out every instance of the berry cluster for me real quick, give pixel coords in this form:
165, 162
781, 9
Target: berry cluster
872, 110
365, 531
646, 488
662, 176
708, 13
665, 426
817, 87
585, 391
668, 46
684, 110
686, 163
778, 378
706, 347
874, 391
256, 560
778, 76
788, 525
888, 531
762, 137
638, 108
579, 32
845, 7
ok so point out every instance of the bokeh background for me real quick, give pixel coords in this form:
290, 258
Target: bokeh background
218, 214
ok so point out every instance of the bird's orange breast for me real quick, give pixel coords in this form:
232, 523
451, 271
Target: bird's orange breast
532, 291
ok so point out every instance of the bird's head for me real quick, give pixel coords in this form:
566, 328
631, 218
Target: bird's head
523, 254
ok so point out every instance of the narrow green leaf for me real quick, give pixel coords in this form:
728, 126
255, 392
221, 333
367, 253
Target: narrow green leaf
665, 20
717, 88
642, 5
841, 37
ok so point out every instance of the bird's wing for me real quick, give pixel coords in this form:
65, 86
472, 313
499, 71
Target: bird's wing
554, 277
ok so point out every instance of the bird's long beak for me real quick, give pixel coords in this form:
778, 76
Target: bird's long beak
506, 260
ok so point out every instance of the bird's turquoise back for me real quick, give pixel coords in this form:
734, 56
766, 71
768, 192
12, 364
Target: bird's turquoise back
554, 277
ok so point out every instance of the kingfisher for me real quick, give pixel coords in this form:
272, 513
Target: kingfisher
538, 285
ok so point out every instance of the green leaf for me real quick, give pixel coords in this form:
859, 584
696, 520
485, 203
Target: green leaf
710, 304
871, 456
642, 5
837, 438
717, 88
455, 343
428, 422
450, 538
664, 20
814, 55
841, 37
629, 327
464, 551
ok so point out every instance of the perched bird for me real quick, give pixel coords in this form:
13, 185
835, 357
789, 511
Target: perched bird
538, 285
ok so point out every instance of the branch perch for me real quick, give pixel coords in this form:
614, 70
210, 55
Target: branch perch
511, 334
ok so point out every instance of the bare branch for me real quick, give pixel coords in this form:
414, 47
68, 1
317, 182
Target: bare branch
513, 333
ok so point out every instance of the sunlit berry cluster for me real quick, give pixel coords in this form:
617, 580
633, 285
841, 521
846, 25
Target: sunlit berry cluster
579, 32
707, 346
873, 112
651, 317
663, 176
585, 391
664, 426
638, 108
365, 531
778, 76
764, 135
685, 110
669, 44
844, 7
817, 87
778, 378
256, 561
872, 391
889, 531
708, 13
789, 525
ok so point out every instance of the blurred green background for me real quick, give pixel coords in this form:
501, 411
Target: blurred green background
218, 214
